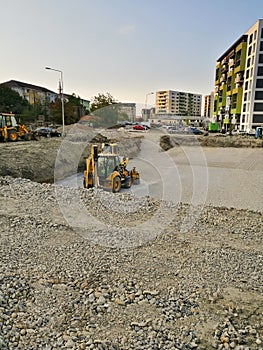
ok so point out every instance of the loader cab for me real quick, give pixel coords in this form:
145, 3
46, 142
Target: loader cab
8, 120
107, 165
110, 148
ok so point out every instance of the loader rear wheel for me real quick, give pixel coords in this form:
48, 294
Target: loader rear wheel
116, 184
12, 135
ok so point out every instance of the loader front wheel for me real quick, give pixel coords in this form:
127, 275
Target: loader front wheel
128, 182
116, 184
12, 135
27, 137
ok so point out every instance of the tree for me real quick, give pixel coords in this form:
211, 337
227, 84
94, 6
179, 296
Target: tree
11, 101
106, 109
101, 101
73, 110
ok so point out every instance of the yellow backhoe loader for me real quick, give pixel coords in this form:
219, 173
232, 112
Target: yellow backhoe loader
11, 130
107, 170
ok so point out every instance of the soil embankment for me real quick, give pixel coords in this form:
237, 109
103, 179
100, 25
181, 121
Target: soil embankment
39, 160
169, 141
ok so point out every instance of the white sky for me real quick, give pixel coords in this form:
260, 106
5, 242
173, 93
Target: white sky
126, 48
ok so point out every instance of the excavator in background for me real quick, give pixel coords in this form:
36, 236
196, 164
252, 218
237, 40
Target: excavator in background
108, 170
11, 130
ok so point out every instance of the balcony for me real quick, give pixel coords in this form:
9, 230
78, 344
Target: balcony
231, 63
223, 78
239, 79
224, 68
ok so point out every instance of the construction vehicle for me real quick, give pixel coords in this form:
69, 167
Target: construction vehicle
11, 130
108, 170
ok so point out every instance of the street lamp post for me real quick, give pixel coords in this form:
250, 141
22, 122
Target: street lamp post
146, 98
62, 96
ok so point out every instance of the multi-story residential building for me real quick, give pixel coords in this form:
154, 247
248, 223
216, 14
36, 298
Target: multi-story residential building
129, 109
148, 113
32, 93
238, 86
208, 104
39, 95
178, 103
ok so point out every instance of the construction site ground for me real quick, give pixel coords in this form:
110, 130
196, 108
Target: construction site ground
175, 263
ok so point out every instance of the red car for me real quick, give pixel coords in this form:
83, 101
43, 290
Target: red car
139, 127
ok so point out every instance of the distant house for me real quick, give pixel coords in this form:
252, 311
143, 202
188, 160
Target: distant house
32, 93
35, 94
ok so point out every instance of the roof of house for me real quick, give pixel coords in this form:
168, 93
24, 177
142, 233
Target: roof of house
20, 84
16, 83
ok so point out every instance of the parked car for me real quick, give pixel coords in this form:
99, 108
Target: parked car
48, 132
193, 130
139, 127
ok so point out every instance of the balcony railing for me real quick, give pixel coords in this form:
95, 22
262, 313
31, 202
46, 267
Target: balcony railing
239, 79
231, 63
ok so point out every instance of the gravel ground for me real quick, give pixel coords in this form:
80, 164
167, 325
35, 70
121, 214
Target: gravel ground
61, 288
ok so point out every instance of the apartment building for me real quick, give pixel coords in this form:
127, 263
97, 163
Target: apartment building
32, 93
238, 86
178, 103
35, 95
129, 109
208, 104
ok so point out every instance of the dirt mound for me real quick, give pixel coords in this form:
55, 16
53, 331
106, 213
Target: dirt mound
169, 141
37, 160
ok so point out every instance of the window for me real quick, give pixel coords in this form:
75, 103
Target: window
234, 101
246, 85
249, 50
247, 74
260, 71
257, 118
245, 96
255, 35
262, 33
229, 79
244, 107
260, 58
250, 38
258, 107
259, 84
261, 46
259, 95
248, 63
238, 56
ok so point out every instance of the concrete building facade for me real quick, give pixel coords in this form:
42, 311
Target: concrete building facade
208, 106
32, 93
238, 85
178, 103
129, 109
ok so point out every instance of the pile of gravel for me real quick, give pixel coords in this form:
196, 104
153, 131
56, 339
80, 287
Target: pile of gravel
60, 288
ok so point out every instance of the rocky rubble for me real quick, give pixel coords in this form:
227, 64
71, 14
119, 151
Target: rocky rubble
62, 289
